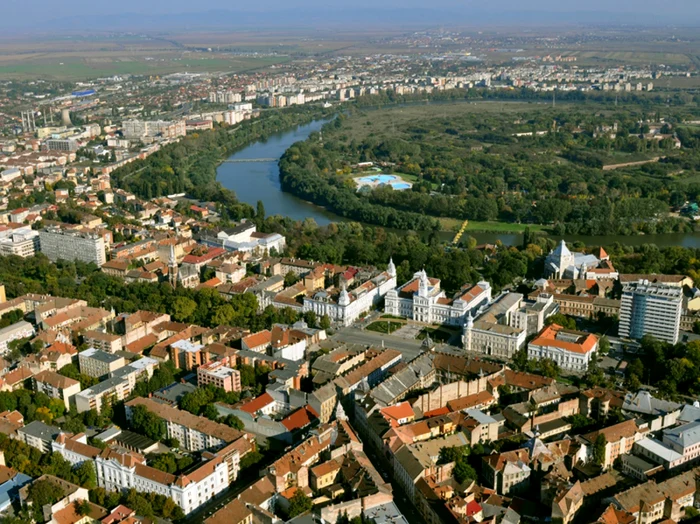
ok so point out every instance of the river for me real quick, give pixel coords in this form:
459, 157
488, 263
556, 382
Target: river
253, 181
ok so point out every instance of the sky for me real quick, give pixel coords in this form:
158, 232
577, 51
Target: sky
44, 13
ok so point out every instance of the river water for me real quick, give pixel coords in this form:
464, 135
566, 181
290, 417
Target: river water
253, 181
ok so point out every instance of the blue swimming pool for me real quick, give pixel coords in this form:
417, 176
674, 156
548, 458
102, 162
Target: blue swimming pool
379, 179
401, 185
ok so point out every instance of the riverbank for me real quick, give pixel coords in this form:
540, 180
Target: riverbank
474, 226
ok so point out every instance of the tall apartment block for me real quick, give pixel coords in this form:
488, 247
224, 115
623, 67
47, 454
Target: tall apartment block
650, 309
57, 243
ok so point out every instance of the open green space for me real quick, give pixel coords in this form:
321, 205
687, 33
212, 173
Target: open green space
506, 166
386, 327
59, 67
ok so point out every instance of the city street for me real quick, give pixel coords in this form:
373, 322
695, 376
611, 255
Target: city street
350, 335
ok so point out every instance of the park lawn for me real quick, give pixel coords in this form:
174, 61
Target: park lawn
383, 326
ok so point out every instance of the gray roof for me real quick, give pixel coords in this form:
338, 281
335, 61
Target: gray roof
689, 413
404, 381
386, 513
643, 402
685, 435
659, 449
481, 417
38, 429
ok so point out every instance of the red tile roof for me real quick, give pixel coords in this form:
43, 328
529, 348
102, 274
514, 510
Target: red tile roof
257, 404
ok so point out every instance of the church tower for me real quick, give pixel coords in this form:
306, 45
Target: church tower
391, 269
344, 298
172, 267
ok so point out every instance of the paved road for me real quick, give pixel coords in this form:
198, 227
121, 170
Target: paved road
409, 348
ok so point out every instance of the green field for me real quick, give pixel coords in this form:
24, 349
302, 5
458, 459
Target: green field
71, 68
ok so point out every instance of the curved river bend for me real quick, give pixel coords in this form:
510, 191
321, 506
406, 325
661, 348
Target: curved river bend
253, 181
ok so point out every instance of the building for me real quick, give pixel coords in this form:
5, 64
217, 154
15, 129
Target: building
620, 439
422, 300
562, 263
61, 244
651, 309
23, 242
345, 307
117, 387
56, 386
571, 350
493, 333
97, 363
141, 129
103, 341
16, 331
192, 432
38, 435
220, 375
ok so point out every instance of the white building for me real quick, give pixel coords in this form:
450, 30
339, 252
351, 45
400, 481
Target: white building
23, 242
562, 263
571, 350
118, 472
57, 386
346, 307
493, 333
422, 300
650, 309
16, 331
118, 387
245, 238
142, 129
57, 243
97, 363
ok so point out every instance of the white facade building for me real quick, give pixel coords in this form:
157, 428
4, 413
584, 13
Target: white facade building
23, 242
562, 263
347, 306
16, 331
651, 309
571, 350
493, 333
245, 238
57, 243
422, 300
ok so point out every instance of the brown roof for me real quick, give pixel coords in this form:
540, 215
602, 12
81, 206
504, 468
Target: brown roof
526, 380
202, 424
17, 376
614, 433
234, 512
55, 380
69, 515
258, 339
612, 515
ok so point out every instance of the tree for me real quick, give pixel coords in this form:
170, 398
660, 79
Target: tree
463, 472
290, 279
43, 492
234, 422
325, 322
82, 507
561, 320
599, 449
260, 213
183, 308
299, 503
147, 423
603, 346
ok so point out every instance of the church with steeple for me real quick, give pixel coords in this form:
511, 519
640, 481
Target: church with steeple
561, 263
